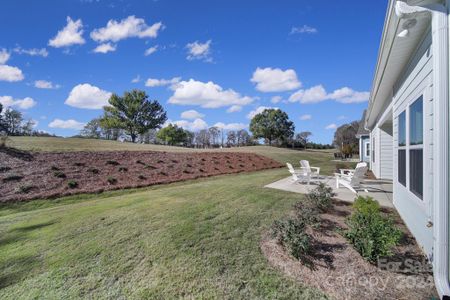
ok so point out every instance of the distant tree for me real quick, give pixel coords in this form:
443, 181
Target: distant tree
202, 138
92, 129
243, 138
13, 120
231, 138
272, 124
27, 127
190, 137
302, 138
149, 137
134, 113
2, 121
172, 135
214, 133
346, 135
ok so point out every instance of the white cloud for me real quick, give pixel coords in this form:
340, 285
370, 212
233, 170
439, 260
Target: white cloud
231, 126
4, 56
151, 50
71, 34
258, 110
342, 117
25, 103
32, 52
88, 96
234, 108
136, 79
303, 29
305, 117
105, 48
44, 84
276, 99
191, 114
66, 124
197, 124
275, 80
11, 74
206, 94
153, 82
331, 126
197, 50
318, 93
126, 28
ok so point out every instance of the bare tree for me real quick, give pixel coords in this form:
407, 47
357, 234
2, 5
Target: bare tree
231, 138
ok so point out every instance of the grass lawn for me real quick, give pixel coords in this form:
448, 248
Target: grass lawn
195, 239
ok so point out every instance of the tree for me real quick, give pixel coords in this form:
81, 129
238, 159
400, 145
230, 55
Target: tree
214, 133
92, 129
134, 113
202, 138
303, 137
13, 120
27, 127
172, 135
346, 135
272, 124
2, 121
231, 138
243, 138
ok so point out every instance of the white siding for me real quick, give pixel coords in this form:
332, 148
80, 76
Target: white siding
386, 155
415, 82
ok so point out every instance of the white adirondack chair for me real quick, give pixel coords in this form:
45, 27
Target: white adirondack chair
298, 175
353, 179
313, 171
351, 171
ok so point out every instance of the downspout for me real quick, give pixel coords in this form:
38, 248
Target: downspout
440, 40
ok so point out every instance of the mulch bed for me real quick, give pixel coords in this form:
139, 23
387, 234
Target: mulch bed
38, 175
337, 269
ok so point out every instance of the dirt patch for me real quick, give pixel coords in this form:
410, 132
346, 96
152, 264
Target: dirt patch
338, 269
37, 175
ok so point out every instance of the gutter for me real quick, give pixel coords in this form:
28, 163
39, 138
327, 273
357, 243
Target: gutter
440, 40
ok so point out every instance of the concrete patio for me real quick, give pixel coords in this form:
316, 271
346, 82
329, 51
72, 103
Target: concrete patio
380, 190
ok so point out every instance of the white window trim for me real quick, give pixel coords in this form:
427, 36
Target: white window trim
367, 144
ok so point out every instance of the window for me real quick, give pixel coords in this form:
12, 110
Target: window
413, 146
367, 149
402, 166
402, 129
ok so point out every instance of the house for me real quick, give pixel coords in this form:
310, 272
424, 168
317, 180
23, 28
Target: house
408, 120
363, 135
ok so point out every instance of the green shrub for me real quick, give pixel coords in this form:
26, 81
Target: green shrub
308, 213
372, 234
291, 234
111, 180
321, 197
24, 189
72, 184
59, 174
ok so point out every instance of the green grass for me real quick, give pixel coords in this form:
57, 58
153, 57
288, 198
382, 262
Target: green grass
194, 239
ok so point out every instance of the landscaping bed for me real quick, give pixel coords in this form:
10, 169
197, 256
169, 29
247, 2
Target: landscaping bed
37, 175
335, 267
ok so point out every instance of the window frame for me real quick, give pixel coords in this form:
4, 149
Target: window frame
367, 147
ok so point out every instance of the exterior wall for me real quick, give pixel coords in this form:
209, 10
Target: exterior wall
416, 81
382, 152
363, 141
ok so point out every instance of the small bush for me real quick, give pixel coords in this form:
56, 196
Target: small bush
163, 173
12, 177
111, 180
372, 234
160, 161
142, 177
321, 197
150, 167
72, 184
140, 162
54, 168
4, 169
24, 189
186, 172
93, 170
291, 234
123, 169
112, 162
79, 164
308, 213
59, 174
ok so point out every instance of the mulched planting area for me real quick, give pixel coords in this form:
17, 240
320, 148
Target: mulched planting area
38, 175
338, 269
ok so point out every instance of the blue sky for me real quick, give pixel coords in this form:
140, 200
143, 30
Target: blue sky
207, 62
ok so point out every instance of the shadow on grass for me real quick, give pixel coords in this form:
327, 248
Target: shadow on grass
20, 154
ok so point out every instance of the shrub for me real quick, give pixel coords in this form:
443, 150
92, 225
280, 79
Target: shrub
112, 162
150, 167
140, 162
54, 168
4, 139
23, 189
111, 180
72, 184
123, 169
321, 197
93, 170
142, 177
59, 174
291, 234
12, 177
372, 234
79, 164
307, 212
